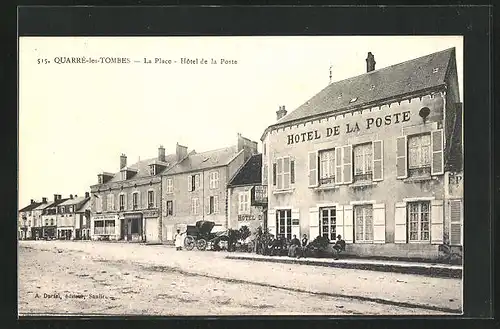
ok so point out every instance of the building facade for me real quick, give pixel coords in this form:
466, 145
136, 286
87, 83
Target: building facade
36, 230
247, 205
49, 217
126, 205
69, 217
368, 158
196, 188
26, 220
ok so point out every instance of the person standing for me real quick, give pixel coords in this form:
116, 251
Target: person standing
178, 240
304, 242
339, 246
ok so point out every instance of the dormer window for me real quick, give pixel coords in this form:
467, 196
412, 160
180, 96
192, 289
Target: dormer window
152, 170
123, 175
100, 179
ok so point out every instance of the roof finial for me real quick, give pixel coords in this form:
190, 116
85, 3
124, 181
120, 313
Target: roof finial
330, 73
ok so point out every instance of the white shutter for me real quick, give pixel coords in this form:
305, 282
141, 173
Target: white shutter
280, 173
379, 223
436, 221
339, 214
313, 169
348, 224
271, 221
456, 220
296, 218
113, 204
338, 165
190, 183
437, 160
400, 233
207, 205
378, 160
313, 223
347, 164
125, 201
264, 174
216, 204
401, 157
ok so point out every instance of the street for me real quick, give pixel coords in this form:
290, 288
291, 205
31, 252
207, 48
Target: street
103, 278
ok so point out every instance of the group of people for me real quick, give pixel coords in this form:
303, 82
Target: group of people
298, 247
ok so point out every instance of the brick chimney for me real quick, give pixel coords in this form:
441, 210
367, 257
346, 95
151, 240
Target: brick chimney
87, 195
55, 197
247, 145
32, 201
180, 151
44, 200
71, 196
59, 197
370, 62
281, 112
161, 153
123, 161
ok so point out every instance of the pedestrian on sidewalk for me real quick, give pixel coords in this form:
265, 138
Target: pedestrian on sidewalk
294, 247
178, 240
339, 246
302, 251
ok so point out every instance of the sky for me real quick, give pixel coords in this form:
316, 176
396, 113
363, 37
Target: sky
75, 120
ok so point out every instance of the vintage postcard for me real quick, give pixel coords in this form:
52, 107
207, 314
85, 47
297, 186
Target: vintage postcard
210, 176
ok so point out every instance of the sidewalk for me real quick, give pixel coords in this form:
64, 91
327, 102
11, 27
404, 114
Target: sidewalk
427, 269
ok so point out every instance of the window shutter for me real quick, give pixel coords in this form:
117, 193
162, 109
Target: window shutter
125, 201
436, 221
437, 162
400, 232
207, 206
339, 220
274, 174
313, 223
348, 224
197, 182
271, 221
401, 157
190, 183
347, 164
216, 204
113, 202
264, 174
338, 165
379, 223
378, 160
292, 171
455, 209
313, 169
296, 219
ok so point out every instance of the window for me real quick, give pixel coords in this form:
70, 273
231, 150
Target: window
418, 221
213, 204
46, 222
419, 155
29, 223
61, 210
195, 206
151, 199
363, 216
123, 175
98, 204
243, 203
152, 170
283, 173
52, 222
109, 227
214, 179
170, 208
284, 223
71, 209
193, 182
170, 185
328, 223
122, 202
363, 162
327, 167
100, 179
110, 199
135, 200
99, 227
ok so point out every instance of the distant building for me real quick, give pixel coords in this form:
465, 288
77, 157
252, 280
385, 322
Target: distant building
247, 205
70, 217
196, 187
36, 230
49, 217
126, 205
376, 158
26, 220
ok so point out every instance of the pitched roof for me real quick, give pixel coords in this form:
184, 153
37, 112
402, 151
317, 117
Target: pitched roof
73, 201
57, 203
250, 172
142, 167
205, 160
400, 79
43, 205
31, 206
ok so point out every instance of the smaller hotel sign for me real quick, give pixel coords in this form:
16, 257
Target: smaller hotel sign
105, 217
367, 124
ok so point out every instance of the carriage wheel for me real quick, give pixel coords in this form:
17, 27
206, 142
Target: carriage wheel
189, 242
201, 244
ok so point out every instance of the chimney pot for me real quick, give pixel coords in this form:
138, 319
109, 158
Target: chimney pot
44, 200
180, 151
71, 196
370, 62
281, 112
87, 195
55, 197
161, 153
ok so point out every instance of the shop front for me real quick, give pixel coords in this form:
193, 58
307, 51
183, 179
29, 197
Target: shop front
152, 225
105, 227
132, 227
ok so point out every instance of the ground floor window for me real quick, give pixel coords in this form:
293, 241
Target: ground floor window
363, 216
419, 221
99, 227
109, 227
328, 223
284, 223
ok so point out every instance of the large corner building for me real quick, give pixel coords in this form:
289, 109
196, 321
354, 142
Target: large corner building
376, 158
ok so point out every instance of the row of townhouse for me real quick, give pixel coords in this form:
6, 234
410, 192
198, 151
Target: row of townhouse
149, 200
67, 218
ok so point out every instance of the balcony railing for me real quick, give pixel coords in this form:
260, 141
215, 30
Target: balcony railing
259, 195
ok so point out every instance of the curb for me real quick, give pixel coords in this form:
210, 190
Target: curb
438, 272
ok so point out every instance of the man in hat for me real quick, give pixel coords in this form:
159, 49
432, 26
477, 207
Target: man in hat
339, 246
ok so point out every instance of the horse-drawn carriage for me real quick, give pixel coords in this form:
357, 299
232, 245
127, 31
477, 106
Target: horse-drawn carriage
201, 236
